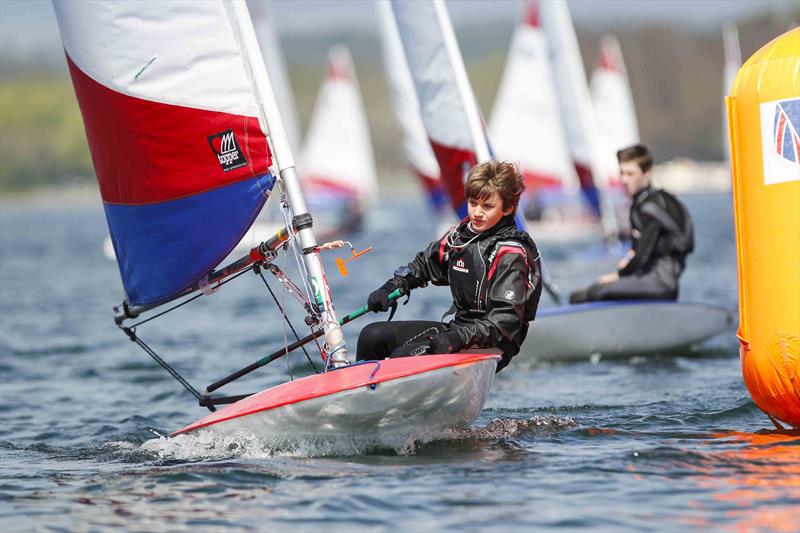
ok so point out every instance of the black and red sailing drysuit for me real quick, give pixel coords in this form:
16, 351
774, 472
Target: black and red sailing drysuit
495, 280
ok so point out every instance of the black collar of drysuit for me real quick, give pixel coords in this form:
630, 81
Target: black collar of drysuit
465, 233
642, 195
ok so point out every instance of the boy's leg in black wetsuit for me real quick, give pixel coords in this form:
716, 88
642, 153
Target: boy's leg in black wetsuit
648, 286
380, 340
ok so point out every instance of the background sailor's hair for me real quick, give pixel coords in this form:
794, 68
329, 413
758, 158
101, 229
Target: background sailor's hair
638, 153
502, 177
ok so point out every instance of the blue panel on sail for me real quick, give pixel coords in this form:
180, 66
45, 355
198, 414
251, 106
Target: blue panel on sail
163, 248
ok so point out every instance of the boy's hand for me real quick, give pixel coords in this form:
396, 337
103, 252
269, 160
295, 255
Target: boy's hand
449, 342
608, 278
378, 300
625, 260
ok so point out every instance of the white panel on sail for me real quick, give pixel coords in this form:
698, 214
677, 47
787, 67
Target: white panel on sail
426, 37
611, 94
150, 50
404, 97
573, 92
271, 49
338, 150
525, 125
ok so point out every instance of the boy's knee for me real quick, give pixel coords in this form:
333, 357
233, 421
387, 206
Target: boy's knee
368, 340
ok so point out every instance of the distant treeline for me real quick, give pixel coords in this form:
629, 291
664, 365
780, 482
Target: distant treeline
676, 78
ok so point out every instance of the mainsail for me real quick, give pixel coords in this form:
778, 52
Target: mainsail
576, 111
173, 129
613, 103
449, 110
406, 109
525, 125
337, 163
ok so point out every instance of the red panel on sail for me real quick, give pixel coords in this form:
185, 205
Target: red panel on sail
454, 164
146, 151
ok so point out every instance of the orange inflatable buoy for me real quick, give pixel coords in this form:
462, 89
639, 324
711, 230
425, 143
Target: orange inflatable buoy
764, 126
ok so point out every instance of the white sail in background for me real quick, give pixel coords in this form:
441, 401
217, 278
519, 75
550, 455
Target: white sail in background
337, 163
525, 125
406, 108
591, 163
733, 61
611, 94
449, 111
271, 49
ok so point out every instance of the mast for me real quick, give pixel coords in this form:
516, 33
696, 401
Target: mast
334, 350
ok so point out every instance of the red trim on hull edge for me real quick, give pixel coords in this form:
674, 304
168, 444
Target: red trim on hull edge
319, 385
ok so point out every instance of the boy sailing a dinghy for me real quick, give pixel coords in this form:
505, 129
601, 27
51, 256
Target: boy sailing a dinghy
493, 271
663, 235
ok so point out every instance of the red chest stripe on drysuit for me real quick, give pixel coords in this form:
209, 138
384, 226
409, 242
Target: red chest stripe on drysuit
441, 249
500, 253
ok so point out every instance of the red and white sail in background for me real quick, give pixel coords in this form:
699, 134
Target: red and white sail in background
337, 164
449, 111
733, 61
613, 102
526, 125
407, 110
272, 51
595, 167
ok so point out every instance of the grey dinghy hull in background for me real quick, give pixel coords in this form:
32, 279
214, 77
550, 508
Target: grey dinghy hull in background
620, 329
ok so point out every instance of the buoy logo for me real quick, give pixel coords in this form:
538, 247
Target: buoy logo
787, 141
780, 140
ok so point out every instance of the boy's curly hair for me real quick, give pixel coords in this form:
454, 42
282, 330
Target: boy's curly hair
502, 177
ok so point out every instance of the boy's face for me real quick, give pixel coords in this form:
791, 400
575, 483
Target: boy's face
633, 178
485, 213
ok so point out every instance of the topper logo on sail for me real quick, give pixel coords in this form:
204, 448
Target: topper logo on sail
460, 267
227, 150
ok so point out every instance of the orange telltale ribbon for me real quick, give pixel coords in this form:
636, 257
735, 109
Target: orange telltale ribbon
340, 262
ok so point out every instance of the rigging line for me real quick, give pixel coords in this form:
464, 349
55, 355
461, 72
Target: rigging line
286, 318
295, 249
166, 366
193, 298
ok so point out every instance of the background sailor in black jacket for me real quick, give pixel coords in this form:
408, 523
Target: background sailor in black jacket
493, 271
663, 235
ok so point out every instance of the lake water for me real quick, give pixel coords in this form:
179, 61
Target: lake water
647, 443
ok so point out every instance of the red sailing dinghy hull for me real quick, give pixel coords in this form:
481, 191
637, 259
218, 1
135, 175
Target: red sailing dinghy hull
422, 396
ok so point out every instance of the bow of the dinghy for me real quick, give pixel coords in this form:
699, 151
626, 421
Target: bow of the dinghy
430, 393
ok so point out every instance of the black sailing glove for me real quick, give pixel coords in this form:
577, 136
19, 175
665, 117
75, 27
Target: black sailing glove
448, 342
379, 299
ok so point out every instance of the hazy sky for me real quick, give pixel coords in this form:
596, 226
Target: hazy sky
28, 27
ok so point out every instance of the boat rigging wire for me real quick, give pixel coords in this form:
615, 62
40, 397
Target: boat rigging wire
166, 366
286, 321
193, 298
295, 249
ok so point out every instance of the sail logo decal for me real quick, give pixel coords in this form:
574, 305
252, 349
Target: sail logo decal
460, 267
780, 140
227, 150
